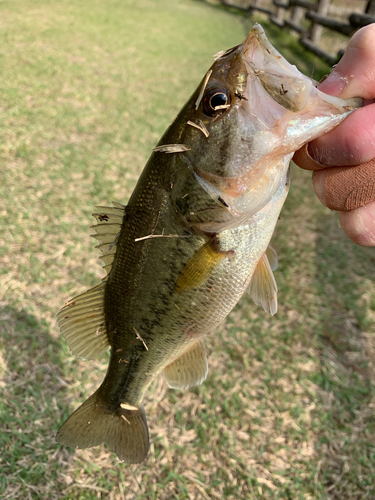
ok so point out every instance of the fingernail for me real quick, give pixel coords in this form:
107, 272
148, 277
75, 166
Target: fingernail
334, 84
359, 225
319, 177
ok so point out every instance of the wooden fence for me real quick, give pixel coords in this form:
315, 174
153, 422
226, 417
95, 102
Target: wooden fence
307, 18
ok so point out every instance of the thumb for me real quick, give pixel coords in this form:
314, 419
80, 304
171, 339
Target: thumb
352, 142
354, 75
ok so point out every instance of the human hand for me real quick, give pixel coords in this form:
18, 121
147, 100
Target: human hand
351, 143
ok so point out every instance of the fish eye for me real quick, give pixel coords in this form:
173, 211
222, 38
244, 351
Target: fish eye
216, 100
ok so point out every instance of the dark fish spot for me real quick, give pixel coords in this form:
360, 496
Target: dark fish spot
283, 91
223, 202
240, 96
103, 217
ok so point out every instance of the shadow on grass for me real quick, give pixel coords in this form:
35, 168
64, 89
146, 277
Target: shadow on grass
31, 369
344, 281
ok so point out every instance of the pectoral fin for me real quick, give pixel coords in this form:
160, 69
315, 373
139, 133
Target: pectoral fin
188, 370
263, 288
200, 266
272, 257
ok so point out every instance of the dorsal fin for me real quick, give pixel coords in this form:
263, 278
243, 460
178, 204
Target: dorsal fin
188, 370
82, 323
263, 288
108, 230
82, 320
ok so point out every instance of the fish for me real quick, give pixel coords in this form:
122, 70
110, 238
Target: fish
193, 237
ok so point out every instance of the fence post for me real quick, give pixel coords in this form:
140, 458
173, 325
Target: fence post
296, 16
316, 29
280, 15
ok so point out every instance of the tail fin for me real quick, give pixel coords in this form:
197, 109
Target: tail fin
124, 430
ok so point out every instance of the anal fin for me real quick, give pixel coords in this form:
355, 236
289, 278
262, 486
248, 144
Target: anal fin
188, 370
263, 287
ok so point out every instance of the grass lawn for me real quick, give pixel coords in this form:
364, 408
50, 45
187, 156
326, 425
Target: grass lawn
288, 408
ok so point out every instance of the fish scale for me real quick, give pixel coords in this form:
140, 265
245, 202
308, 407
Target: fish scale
194, 236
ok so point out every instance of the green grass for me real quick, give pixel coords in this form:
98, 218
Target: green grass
287, 411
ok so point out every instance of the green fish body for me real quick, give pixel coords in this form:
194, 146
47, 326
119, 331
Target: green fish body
193, 237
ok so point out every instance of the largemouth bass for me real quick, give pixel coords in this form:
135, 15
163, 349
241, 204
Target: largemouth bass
193, 237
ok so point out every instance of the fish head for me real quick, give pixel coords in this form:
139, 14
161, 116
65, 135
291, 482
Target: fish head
250, 113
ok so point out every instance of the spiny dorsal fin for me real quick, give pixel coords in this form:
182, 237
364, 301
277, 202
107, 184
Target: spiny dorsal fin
189, 369
82, 323
108, 230
263, 288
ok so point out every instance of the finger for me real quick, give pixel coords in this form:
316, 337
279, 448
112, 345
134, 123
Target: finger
346, 188
352, 142
354, 75
359, 225
304, 160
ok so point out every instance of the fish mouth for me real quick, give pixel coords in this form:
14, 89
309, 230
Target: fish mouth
282, 81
